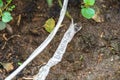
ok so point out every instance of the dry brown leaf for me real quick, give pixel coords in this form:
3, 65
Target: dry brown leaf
7, 66
98, 17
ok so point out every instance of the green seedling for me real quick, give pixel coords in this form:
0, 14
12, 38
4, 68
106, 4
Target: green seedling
19, 63
50, 2
86, 11
81, 57
89, 2
6, 17
2, 25
5, 12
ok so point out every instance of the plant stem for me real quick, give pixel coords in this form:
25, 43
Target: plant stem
0, 12
6, 5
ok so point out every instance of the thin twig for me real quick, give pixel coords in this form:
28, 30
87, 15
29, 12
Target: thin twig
6, 5
7, 39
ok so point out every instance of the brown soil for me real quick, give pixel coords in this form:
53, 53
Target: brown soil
93, 54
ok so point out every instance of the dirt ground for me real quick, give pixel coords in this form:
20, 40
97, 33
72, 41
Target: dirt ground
93, 53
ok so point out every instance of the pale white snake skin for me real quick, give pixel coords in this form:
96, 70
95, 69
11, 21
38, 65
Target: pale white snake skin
57, 57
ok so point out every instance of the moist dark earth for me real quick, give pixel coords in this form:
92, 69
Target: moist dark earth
93, 53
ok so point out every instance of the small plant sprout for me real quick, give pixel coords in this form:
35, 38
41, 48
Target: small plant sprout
19, 63
50, 2
5, 12
86, 11
6, 17
81, 57
89, 2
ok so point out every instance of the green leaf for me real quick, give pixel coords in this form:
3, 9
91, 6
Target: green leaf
50, 2
19, 63
1, 3
11, 8
89, 2
2, 25
49, 25
6, 17
88, 12
8, 1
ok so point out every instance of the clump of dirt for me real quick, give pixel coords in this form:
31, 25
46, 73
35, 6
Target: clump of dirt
93, 54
